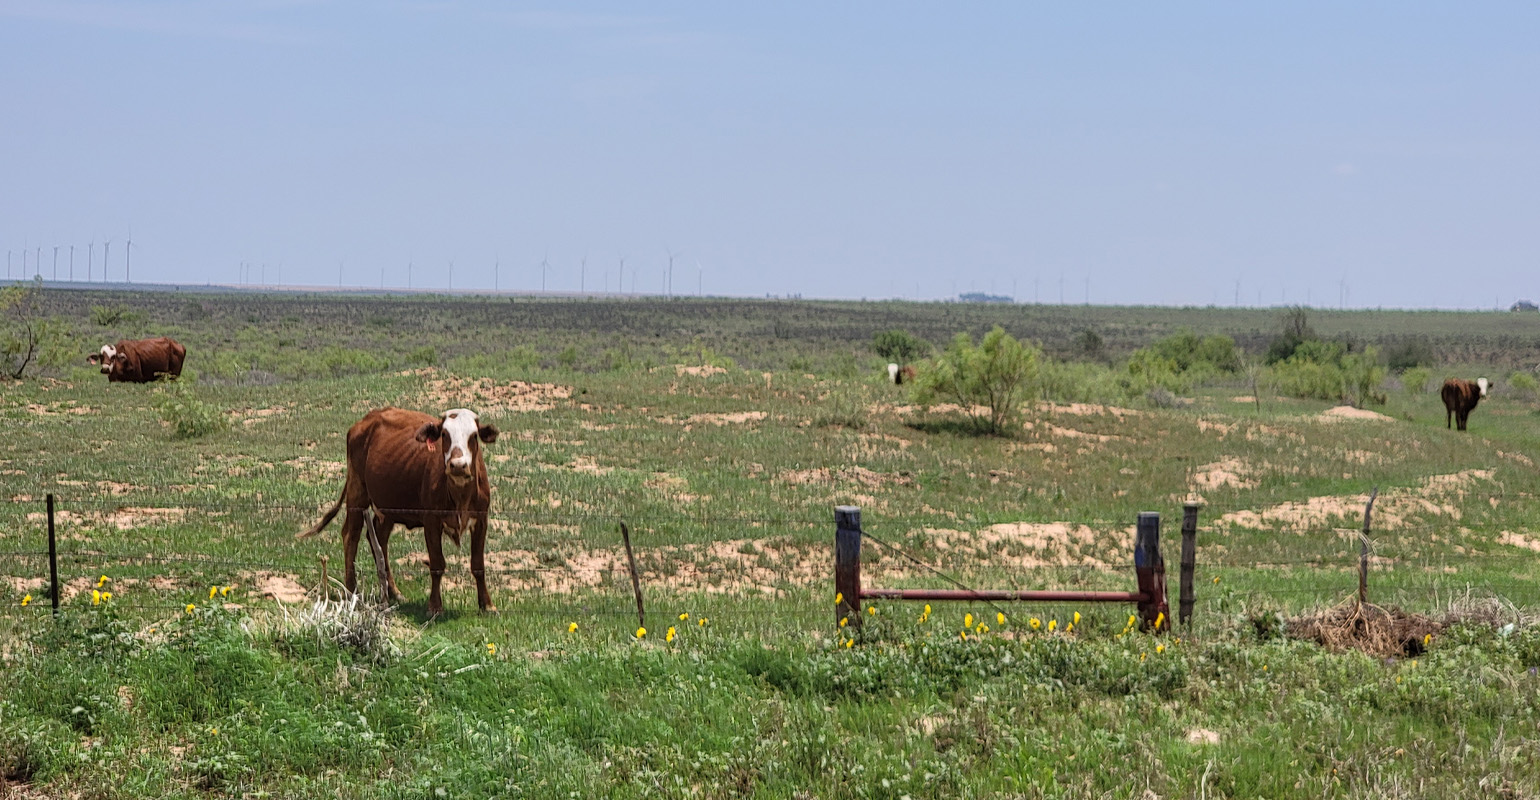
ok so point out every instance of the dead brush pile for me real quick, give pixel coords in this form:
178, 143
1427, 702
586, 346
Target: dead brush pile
1376, 630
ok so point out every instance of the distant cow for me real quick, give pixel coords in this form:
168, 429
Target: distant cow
1460, 398
139, 360
419, 471
900, 375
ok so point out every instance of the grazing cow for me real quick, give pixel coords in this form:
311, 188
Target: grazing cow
900, 375
139, 360
419, 471
1460, 398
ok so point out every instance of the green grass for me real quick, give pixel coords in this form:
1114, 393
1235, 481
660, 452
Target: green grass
727, 482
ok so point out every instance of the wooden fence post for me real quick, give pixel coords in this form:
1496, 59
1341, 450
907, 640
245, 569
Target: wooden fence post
53, 560
1150, 568
636, 579
847, 564
1363, 550
1189, 562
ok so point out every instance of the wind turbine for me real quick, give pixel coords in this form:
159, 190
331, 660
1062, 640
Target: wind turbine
544, 265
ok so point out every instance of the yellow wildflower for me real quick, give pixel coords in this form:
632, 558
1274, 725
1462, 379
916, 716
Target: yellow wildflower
702, 621
1414, 663
1142, 656
683, 617
927, 609
839, 597
1159, 619
213, 731
1160, 648
491, 649
1053, 625
1077, 619
1133, 619
26, 600
669, 636
224, 591
1216, 580
102, 581
1427, 639
106, 596
964, 635
1070, 628
213, 590
982, 628
190, 608
871, 610
96, 597
849, 642
1035, 623
572, 627
641, 633
999, 617
967, 620
844, 621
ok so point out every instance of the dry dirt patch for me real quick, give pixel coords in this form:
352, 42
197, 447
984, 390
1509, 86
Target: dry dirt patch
727, 418
1519, 540
1027, 545
125, 518
1225, 472
251, 416
702, 371
1349, 412
317, 470
1092, 410
487, 396
852, 474
1438, 496
282, 588
59, 409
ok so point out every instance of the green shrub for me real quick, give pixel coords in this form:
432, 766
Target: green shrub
109, 316
1362, 378
1296, 329
1415, 379
900, 346
1524, 386
998, 373
1308, 379
422, 356
1409, 353
1078, 382
190, 417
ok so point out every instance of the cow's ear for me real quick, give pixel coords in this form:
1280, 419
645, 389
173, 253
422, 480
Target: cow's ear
488, 433
429, 432
94, 358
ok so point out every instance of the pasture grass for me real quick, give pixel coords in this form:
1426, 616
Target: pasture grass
727, 481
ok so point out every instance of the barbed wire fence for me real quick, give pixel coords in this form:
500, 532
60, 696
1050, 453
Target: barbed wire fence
684, 557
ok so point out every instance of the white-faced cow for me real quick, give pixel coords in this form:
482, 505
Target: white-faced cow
419, 471
1460, 398
140, 360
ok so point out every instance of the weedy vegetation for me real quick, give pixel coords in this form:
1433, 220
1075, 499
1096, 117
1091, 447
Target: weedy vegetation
195, 655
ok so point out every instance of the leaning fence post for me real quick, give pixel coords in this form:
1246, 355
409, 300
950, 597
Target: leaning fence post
1150, 570
847, 564
53, 560
1189, 562
636, 578
1363, 550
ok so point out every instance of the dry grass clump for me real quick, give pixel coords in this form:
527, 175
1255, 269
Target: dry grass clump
352, 623
1366, 627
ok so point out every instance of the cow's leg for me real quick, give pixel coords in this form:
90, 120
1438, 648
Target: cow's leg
1448, 418
479, 563
433, 532
352, 530
383, 525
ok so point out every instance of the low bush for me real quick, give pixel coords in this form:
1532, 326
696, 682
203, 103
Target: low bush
189, 417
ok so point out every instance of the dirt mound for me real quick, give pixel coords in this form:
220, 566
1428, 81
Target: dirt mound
1365, 627
1027, 545
702, 371
1349, 412
727, 418
1225, 472
1437, 497
487, 396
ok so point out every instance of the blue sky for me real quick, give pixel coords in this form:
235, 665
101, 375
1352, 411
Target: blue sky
1157, 153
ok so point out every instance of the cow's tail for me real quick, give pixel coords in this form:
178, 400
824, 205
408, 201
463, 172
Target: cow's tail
326, 519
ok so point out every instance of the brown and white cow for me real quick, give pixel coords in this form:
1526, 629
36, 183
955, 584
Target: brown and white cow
140, 360
1460, 398
419, 471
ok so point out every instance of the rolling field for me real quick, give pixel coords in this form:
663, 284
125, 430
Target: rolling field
723, 433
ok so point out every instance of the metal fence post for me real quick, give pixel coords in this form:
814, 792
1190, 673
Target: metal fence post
1150, 569
847, 564
1189, 562
53, 559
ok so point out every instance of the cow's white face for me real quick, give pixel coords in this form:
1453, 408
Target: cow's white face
459, 435
105, 358
892, 373
1482, 382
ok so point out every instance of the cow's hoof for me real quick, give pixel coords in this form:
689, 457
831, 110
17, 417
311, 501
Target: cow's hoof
490, 609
